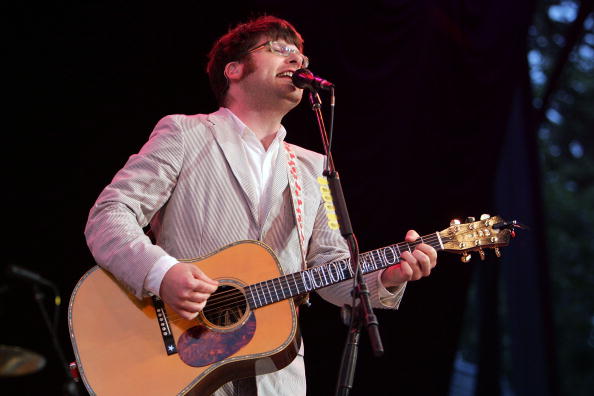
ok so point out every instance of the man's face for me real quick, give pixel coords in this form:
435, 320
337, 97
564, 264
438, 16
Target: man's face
267, 76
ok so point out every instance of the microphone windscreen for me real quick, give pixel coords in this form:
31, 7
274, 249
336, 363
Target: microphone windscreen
302, 78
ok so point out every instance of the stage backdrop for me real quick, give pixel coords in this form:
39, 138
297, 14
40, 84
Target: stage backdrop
424, 94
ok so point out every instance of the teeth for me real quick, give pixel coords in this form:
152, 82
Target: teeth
286, 74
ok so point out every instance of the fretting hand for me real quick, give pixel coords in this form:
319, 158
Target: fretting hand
412, 266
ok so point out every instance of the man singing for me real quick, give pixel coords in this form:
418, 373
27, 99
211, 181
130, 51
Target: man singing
207, 180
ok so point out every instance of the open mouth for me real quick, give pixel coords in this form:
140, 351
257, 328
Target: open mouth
285, 74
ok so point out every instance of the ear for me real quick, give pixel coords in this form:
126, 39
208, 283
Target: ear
233, 71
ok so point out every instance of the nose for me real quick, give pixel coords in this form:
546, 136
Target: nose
296, 58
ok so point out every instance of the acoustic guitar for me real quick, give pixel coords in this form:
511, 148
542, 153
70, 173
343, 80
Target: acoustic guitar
127, 346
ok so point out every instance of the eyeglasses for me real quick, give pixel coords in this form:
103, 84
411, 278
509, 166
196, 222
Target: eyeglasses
281, 49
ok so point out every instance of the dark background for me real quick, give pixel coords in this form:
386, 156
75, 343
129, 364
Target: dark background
426, 93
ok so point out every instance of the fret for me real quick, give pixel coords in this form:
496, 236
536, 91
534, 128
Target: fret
368, 263
251, 294
375, 255
282, 288
440, 241
296, 285
257, 295
271, 285
346, 265
269, 293
386, 260
407, 245
290, 290
321, 276
318, 277
310, 274
275, 292
306, 286
261, 289
317, 282
362, 261
336, 275
322, 267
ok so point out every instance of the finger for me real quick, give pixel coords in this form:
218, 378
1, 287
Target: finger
410, 260
189, 306
411, 236
406, 271
197, 297
199, 274
423, 262
186, 314
204, 287
430, 252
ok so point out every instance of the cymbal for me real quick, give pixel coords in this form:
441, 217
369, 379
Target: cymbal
15, 361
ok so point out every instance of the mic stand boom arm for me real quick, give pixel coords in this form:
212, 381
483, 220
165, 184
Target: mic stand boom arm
361, 314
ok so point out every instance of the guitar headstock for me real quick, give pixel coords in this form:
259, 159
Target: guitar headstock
474, 236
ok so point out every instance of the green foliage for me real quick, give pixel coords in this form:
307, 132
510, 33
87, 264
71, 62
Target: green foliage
566, 140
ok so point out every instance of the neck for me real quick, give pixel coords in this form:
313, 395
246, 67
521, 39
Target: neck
264, 123
320, 276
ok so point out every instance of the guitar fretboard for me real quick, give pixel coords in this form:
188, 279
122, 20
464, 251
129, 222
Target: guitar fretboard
318, 277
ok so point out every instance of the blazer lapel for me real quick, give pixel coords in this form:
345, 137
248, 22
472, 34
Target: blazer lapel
232, 147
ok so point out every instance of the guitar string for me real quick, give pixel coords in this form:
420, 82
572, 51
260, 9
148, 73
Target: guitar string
232, 304
263, 288
238, 299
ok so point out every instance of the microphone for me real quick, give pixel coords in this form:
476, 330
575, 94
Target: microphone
303, 78
22, 273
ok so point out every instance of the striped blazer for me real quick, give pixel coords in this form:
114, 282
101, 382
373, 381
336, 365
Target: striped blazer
189, 182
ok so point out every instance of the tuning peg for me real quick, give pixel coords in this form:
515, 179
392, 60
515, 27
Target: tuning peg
485, 216
470, 219
465, 258
454, 222
482, 254
497, 252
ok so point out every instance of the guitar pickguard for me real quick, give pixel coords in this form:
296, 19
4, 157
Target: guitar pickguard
200, 345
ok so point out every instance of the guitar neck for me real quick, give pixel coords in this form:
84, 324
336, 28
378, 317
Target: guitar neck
318, 277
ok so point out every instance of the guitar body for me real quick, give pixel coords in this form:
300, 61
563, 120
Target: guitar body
119, 344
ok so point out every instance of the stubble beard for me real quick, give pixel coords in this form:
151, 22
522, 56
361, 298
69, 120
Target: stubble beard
290, 95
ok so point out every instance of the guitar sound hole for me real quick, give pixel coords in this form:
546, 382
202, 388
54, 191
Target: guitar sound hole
225, 307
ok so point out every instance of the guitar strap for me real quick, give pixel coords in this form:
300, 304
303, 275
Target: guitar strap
298, 213
296, 201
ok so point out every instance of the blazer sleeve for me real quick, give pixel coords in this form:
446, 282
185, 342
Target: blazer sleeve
114, 230
327, 245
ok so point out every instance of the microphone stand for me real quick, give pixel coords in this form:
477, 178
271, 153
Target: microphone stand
69, 387
361, 313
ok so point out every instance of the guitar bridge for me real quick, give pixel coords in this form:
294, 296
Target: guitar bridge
164, 327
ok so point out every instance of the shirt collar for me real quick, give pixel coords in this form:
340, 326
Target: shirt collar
243, 129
